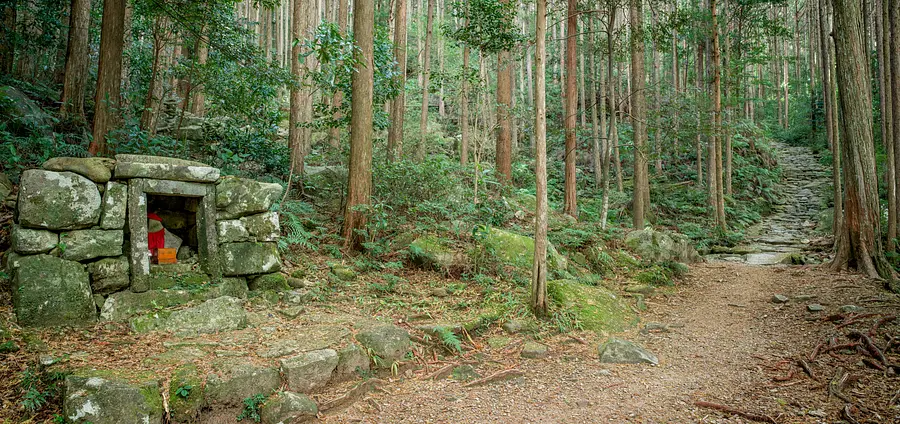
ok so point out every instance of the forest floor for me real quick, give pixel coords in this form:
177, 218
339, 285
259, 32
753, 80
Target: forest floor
722, 339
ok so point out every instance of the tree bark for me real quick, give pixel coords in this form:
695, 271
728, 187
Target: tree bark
359, 184
830, 124
539, 269
640, 204
398, 104
301, 113
464, 110
154, 88
859, 245
504, 105
883, 27
717, 120
612, 138
7, 48
109, 75
334, 134
571, 102
895, 94
198, 102
426, 64
77, 61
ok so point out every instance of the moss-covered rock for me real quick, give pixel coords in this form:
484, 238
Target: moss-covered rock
387, 342
309, 371
657, 246
115, 201
57, 200
213, 316
432, 252
596, 308
185, 394
123, 305
99, 400
249, 258
237, 197
288, 407
518, 250
82, 245
28, 242
234, 381
342, 272
275, 281
98, 170
49, 291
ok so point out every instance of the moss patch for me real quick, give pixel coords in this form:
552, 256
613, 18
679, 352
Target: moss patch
596, 308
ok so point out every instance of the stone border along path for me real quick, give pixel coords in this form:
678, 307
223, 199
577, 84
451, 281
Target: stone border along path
788, 230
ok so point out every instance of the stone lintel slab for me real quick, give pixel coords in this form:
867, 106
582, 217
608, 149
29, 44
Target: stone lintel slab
190, 171
174, 188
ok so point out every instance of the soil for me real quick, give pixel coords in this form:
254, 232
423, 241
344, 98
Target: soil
725, 342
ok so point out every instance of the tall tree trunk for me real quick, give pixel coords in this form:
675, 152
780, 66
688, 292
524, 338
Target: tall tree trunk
77, 61
657, 121
426, 63
334, 134
717, 119
359, 184
504, 104
612, 138
109, 75
619, 103
895, 94
571, 200
7, 47
883, 27
155, 87
597, 156
859, 245
198, 106
640, 203
698, 141
464, 110
539, 270
299, 133
581, 87
398, 104
830, 115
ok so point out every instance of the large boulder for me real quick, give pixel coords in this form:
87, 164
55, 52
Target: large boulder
28, 242
82, 245
432, 252
215, 315
22, 116
57, 200
249, 258
309, 371
164, 168
115, 200
387, 342
103, 401
263, 226
518, 250
657, 246
185, 394
595, 307
287, 407
123, 305
352, 361
49, 291
235, 381
617, 351
237, 197
98, 170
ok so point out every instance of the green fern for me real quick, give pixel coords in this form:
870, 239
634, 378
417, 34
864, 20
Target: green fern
449, 339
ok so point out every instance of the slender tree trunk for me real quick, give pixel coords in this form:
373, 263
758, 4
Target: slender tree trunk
571, 202
698, 142
620, 110
581, 88
464, 110
334, 134
830, 124
717, 118
640, 206
109, 75
895, 94
359, 184
426, 63
883, 26
859, 245
595, 109
77, 61
198, 106
657, 121
398, 104
612, 138
299, 133
504, 104
539, 270
7, 47
154, 88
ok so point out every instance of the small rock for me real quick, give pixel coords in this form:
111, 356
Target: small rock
817, 413
655, 327
815, 307
286, 407
309, 371
238, 380
352, 361
583, 403
534, 350
847, 309
644, 289
387, 342
292, 311
617, 351
465, 373
780, 298
296, 283
343, 272
439, 292
512, 327
804, 297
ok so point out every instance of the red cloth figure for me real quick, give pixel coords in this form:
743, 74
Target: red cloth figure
156, 240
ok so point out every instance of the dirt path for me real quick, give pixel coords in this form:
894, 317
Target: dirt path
724, 345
